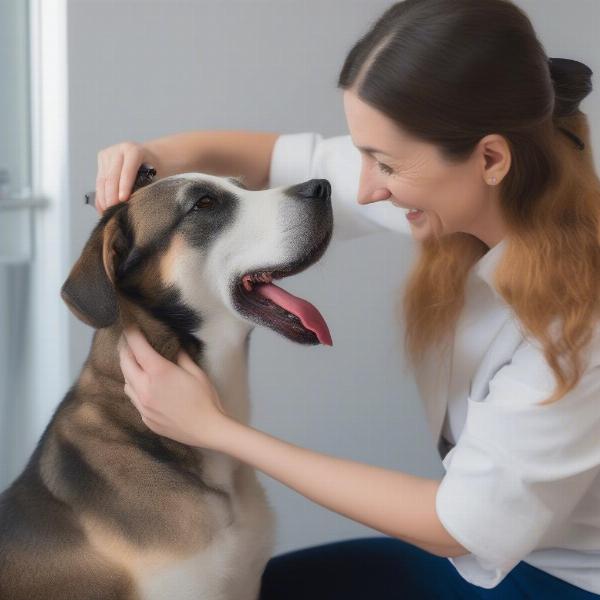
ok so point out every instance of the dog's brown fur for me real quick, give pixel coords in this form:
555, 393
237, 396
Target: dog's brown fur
104, 499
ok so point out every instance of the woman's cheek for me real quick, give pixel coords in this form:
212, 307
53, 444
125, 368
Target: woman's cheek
408, 193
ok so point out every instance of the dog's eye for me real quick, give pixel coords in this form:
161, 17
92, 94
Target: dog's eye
203, 203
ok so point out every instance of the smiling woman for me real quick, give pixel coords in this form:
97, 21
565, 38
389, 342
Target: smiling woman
523, 181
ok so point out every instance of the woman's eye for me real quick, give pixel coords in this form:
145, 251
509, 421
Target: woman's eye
204, 202
385, 169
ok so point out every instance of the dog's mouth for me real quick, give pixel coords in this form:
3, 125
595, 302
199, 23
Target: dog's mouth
256, 297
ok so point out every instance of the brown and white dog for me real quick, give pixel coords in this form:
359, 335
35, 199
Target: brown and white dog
108, 510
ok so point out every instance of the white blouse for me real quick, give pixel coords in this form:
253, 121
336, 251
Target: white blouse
522, 481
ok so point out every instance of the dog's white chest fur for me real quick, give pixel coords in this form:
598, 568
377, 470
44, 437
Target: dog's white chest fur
230, 566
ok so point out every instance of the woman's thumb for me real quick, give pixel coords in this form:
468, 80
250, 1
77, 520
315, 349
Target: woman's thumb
185, 362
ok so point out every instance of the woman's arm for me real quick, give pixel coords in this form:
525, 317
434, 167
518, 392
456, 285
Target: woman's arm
395, 503
179, 401
243, 153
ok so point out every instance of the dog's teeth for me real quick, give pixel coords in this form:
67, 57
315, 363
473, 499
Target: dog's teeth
247, 283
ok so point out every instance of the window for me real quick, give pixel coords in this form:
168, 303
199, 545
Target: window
33, 365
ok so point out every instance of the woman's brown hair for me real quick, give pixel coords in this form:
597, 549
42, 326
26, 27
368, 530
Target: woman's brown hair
451, 72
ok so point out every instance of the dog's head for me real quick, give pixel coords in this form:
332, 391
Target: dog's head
193, 248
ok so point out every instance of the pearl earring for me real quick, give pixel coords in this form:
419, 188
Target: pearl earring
492, 180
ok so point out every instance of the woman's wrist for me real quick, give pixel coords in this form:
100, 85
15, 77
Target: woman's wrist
222, 431
189, 151
154, 150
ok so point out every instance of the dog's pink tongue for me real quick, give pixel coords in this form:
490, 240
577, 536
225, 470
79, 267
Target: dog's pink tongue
307, 313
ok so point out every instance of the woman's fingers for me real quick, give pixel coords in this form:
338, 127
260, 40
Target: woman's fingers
117, 169
147, 420
131, 369
185, 362
146, 356
142, 407
132, 396
132, 161
111, 184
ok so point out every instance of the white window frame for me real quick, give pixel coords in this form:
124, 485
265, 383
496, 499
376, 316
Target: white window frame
44, 327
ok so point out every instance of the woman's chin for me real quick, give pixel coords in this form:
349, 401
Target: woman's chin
427, 226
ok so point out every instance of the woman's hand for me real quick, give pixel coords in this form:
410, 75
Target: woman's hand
117, 169
174, 400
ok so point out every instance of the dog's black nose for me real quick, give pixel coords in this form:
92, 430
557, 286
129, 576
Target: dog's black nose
314, 188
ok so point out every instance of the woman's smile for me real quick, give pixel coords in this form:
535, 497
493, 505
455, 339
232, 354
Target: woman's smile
414, 214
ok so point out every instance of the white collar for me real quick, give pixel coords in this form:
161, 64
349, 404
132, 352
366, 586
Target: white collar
485, 267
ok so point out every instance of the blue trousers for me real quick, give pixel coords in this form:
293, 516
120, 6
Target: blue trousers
385, 568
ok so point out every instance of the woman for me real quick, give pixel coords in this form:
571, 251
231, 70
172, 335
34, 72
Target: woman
459, 115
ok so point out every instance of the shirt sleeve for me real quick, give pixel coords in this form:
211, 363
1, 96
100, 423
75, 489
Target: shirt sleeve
519, 469
301, 156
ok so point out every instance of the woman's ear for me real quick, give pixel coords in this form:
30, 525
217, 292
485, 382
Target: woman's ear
89, 291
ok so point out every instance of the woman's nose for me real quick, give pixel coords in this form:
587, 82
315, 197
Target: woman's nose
370, 189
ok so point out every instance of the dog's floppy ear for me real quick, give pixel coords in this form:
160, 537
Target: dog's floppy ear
89, 291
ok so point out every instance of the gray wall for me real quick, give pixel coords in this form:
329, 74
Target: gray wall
142, 69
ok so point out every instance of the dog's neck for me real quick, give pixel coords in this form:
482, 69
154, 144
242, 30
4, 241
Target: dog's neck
219, 347
224, 358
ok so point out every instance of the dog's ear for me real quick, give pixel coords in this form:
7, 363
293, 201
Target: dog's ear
89, 291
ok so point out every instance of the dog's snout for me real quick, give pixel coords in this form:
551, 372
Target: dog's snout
314, 188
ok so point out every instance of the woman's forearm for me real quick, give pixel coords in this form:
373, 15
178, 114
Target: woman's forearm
240, 153
179, 402
395, 503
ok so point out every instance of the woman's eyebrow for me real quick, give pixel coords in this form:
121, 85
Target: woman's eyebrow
372, 151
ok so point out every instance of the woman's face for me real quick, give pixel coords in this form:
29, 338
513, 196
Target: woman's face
453, 197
